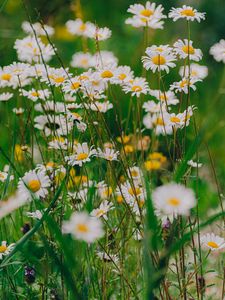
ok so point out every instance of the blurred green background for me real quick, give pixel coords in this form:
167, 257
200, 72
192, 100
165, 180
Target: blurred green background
127, 44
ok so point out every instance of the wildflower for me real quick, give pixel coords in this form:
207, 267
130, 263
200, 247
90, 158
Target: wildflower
152, 107
34, 183
212, 242
155, 161
218, 51
184, 85
107, 258
194, 164
102, 107
158, 123
186, 12
166, 97
58, 143
50, 107
108, 154
105, 58
158, 59
18, 111
123, 75
185, 49
12, 203
4, 175
104, 191
99, 34
149, 15
82, 60
38, 29
102, 211
5, 96
37, 214
82, 155
196, 71
83, 227
137, 86
78, 27
4, 249
29, 274
55, 76
72, 85
34, 95
173, 199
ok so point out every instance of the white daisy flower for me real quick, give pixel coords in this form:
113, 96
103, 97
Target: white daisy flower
58, 143
212, 242
158, 59
105, 58
55, 77
5, 96
196, 71
34, 183
72, 86
34, 95
135, 174
157, 123
50, 107
4, 176
166, 97
173, 199
82, 60
78, 27
185, 49
31, 49
18, 111
152, 107
184, 85
107, 258
102, 107
149, 15
4, 249
83, 227
82, 154
123, 75
108, 154
99, 34
137, 86
102, 211
107, 72
194, 164
104, 191
186, 12
38, 28
37, 214
11, 204
218, 51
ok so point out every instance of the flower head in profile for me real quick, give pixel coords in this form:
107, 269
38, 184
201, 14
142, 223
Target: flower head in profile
196, 71
213, 242
148, 15
83, 227
173, 199
4, 249
108, 154
82, 154
102, 210
218, 51
159, 58
186, 12
34, 183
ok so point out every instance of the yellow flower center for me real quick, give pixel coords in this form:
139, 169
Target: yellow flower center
35, 94
82, 228
50, 164
175, 119
128, 148
159, 121
188, 12
82, 156
34, 185
6, 77
107, 192
82, 27
136, 88
122, 76
107, 74
147, 13
158, 60
173, 201
83, 77
188, 49
152, 165
100, 212
59, 79
136, 191
119, 198
134, 173
163, 97
75, 85
183, 83
213, 244
3, 248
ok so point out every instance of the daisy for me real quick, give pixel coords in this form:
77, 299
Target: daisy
212, 242
158, 123
123, 75
4, 175
137, 86
218, 51
196, 71
31, 49
38, 28
104, 191
83, 227
34, 183
107, 258
50, 107
6, 77
78, 27
185, 49
102, 107
37, 214
82, 155
99, 34
135, 174
82, 60
173, 199
11, 204
166, 97
184, 85
102, 211
107, 72
194, 164
152, 107
5, 96
72, 86
34, 95
4, 249
55, 77
105, 57
108, 154
18, 111
158, 60
186, 12
58, 143
149, 15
